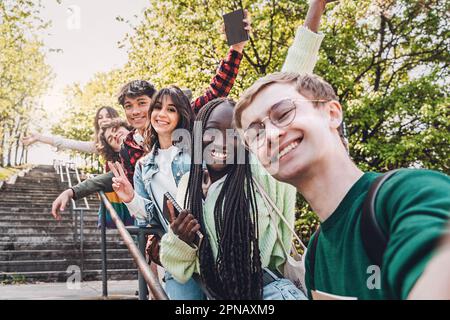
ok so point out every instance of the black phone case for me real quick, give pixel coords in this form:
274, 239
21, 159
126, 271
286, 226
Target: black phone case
168, 196
234, 27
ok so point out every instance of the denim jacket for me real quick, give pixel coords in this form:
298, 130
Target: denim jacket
146, 168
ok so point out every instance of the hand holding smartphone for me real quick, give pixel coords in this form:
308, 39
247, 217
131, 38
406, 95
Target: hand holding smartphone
235, 28
176, 206
183, 233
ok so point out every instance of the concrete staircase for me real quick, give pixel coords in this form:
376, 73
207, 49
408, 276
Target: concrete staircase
36, 248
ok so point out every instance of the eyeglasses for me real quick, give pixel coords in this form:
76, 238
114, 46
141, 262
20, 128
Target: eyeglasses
280, 115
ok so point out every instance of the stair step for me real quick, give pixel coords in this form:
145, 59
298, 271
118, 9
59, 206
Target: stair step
36, 247
63, 264
51, 237
31, 205
12, 255
88, 229
46, 219
63, 276
43, 224
42, 211
89, 244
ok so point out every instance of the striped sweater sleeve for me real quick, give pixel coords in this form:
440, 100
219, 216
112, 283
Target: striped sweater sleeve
178, 258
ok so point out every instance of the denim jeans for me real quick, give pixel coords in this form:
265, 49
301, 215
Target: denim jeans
282, 289
179, 291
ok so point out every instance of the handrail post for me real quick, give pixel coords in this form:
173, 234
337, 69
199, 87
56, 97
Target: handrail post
78, 225
104, 257
86, 203
150, 278
143, 290
141, 233
82, 242
61, 172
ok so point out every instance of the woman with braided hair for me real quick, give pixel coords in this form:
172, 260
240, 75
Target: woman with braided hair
244, 248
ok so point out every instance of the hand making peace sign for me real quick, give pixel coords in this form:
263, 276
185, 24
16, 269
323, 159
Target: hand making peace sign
121, 185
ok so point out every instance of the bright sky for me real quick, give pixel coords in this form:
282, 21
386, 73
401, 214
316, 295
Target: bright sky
87, 32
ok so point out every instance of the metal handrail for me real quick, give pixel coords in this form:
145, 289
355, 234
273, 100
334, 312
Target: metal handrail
145, 272
74, 207
57, 164
150, 278
69, 179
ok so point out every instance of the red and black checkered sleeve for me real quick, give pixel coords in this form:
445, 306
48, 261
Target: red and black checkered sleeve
129, 163
222, 82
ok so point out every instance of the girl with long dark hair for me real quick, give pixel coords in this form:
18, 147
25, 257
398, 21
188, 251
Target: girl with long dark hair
160, 171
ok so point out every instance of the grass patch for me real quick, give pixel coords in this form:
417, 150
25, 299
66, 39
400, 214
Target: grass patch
9, 280
7, 172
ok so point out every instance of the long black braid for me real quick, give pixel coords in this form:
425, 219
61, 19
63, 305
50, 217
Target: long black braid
237, 271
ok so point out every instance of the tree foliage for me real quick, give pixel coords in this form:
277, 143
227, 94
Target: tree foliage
24, 75
387, 60
83, 102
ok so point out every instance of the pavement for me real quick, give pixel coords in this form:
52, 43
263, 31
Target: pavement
89, 290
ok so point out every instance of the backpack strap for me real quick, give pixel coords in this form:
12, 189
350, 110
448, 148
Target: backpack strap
312, 257
373, 237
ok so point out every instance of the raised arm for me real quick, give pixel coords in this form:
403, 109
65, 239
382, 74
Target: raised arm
61, 143
101, 182
303, 54
226, 74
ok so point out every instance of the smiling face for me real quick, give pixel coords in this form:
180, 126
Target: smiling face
103, 117
216, 146
165, 116
136, 110
115, 136
290, 151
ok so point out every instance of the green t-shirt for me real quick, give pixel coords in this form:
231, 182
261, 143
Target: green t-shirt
413, 207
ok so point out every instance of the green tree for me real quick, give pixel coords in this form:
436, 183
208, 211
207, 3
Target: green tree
24, 75
387, 60
180, 42
83, 102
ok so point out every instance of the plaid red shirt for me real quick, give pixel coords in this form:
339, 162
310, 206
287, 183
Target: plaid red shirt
220, 86
222, 82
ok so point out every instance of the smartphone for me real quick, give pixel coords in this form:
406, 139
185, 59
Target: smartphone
177, 209
176, 206
234, 27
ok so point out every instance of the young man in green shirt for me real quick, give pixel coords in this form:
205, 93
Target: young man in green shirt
293, 123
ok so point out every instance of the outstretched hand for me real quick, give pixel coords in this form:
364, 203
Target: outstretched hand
61, 202
315, 11
30, 139
121, 185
